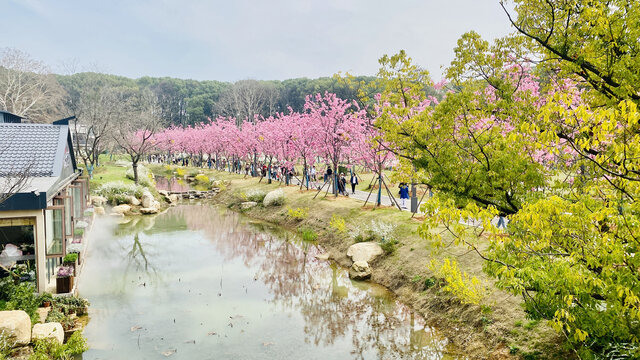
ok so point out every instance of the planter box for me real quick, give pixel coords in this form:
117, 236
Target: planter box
64, 285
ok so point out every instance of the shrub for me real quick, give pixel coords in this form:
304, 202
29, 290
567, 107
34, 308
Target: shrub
6, 344
45, 349
70, 258
274, 198
117, 192
256, 195
338, 224
298, 214
202, 179
467, 289
429, 282
388, 245
78, 232
19, 297
308, 234
180, 172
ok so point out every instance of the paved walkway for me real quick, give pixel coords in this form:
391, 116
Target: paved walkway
362, 195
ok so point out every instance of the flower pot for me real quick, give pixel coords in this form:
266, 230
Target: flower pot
46, 304
64, 284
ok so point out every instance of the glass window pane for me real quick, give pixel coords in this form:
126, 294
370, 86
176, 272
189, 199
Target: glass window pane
68, 213
77, 202
54, 231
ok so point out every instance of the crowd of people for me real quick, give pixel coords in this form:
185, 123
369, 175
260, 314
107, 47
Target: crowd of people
278, 172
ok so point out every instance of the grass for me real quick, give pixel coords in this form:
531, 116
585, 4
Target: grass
108, 171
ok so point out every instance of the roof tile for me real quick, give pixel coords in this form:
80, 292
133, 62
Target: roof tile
24, 145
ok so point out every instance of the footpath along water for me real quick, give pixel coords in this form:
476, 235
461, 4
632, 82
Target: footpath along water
198, 282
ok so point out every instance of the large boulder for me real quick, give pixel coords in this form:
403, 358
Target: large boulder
98, 200
173, 198
147, 200
248, 205
16, 324
133, 200
274, 198
99, 210
121, 209
364, 251
360, 270
164, 193
52, 330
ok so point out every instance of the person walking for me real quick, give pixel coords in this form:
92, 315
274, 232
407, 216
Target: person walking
404, 194
353, 181
342, 185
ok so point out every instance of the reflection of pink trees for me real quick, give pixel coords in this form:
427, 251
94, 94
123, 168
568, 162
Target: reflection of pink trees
332, 307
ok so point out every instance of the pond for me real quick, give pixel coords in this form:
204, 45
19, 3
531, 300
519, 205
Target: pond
176, 185
198, 282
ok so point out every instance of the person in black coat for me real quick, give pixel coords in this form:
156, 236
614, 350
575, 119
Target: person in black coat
342, 185
353, 181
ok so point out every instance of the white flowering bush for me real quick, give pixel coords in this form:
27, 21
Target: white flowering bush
118, 192
256, 195
376, 230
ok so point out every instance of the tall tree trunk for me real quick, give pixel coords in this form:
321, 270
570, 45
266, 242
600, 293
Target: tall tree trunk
135, 171
335, 179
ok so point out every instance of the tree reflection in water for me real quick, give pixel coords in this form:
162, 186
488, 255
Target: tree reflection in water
332, 305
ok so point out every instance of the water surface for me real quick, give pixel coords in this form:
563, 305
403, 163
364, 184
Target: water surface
200, 283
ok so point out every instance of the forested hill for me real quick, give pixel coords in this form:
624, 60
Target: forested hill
185, 102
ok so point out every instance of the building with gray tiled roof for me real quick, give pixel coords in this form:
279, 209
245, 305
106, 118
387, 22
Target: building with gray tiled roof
38, 221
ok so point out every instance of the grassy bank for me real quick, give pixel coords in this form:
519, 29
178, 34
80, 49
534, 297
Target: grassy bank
495, 328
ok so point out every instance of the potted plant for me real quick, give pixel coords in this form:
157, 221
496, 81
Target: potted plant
64, 279
45, 299
75, 248
71, 260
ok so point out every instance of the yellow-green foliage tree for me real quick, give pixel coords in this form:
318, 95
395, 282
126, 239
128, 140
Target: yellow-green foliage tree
567, 171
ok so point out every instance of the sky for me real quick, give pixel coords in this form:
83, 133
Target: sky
242, 39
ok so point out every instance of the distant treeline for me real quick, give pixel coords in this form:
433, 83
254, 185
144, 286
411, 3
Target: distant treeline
187, 102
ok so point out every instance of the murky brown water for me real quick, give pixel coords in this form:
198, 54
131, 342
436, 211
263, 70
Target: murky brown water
200, 283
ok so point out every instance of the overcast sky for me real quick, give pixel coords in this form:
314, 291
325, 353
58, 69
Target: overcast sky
241, 39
